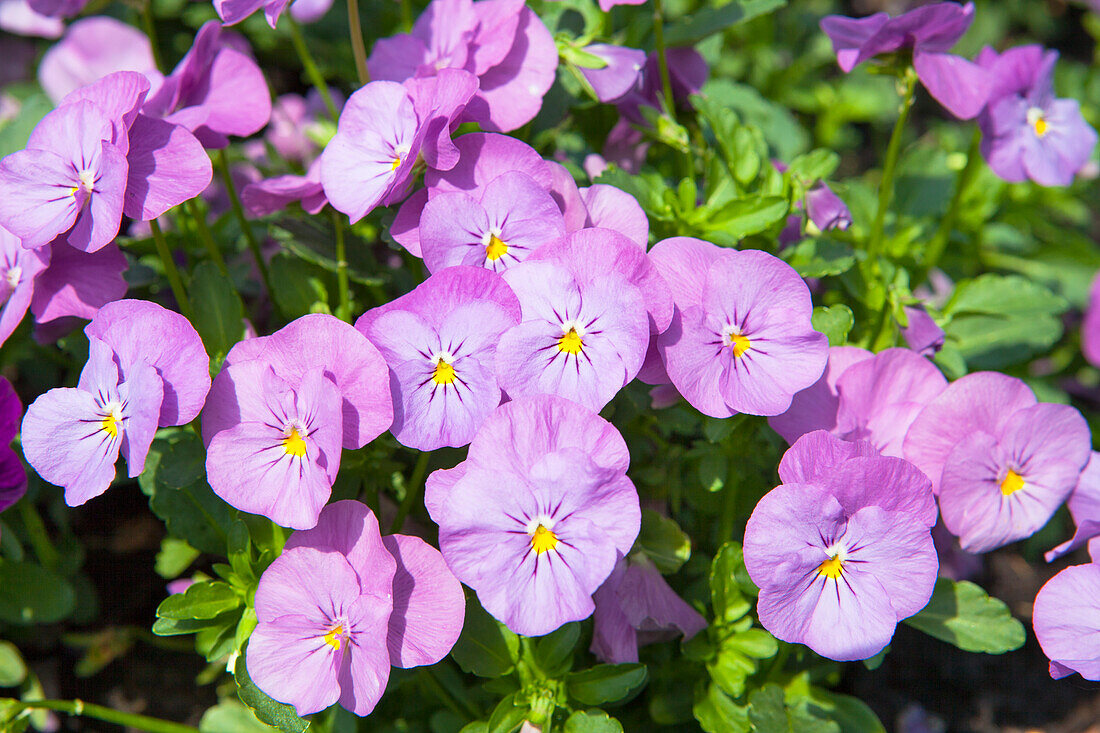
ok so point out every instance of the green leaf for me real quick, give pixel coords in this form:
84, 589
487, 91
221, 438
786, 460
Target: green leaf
768, 710
663, 542
174, 557
962, 614
486, 647
508, 715
592, 721
554, 652
718, 713
12, 668
31, 594
835, 322
201, 600
1003, 294
182, 461
32, 108
606, 683
697, 26
219, 316
744, 216
269, 711
849, 714
814, 165
229, 716
296, 285
820, 257
727, 598
737, 657
181, 626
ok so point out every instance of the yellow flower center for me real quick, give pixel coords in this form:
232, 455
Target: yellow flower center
333, 637
543, 540
294, 444
831, 568
1011, 483
1038, 121
571, 342
444, 372
396, 163
740, 343
496, 248
109, 425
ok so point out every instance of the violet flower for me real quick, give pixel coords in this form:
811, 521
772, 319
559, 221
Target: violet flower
825, 208
1066, 618
815, 408
91, 49
18, 17
619, 76
687, 71
77, 284
234, 11
13, 477
635, 607
274, 194
1090, 327
741, 338
961, 86
440, 342
1000, 462
842, 550
18, 269
1084, 507
544, 485
1027, 133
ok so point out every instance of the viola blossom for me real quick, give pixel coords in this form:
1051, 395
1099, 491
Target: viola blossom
815, 408
72, 436
281, 459
347, 359
91, 49
504, 44
216, 90
1066, 618
581, 338
544, 485
1090, 327
842, 550
635, 607
961, 86
687, 71
825, 209
298, 123
57, 8
512, 217
1084, 507
261, 198
18, 17
13, 477
741, 338
622, 70
18, 269
440, 342
383, 129
1000, 462
922, 334
1027, 133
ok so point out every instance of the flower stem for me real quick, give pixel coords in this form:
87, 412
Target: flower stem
343, 311
965, 180
36, 531
151, 31
79, 707
355, 29
662, 57
314, 74
238, 211
174, 279
893, 150
413, 490
205, 236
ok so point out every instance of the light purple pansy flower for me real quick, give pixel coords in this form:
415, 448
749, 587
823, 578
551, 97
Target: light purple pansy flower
502, 42
842, 552
274, 194
815, 408
77, 284
13, 477
1027, 133
18, 269
583, 338
309, 11
607, 207
1084, 507
741, 338
91, 49
687, 70
281, 458
216, 91
923, 335
383, 129
58, 8
961, 86
825, 209
544, 486
295, 123
17, 16
349, 361
234, 11
619, 76
440, 342
72, 436
1001, 463
1066, 618
635, 607
1090, 327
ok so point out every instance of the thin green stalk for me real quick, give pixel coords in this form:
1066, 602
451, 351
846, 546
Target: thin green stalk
205, 236
310, 67
893, 151
965, 180
151, 31
344, 309
662, 57
238, 211
89, 710
358, 49
413, 490
174, 279
36, 531
406, 15
728, 516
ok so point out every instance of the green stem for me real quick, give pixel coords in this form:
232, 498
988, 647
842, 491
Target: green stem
36, 532
246, 227
79, 707
413, 489
358, 49
662, 57
428, 677
314, 74
205, 236
963, 183
729, 496
406, 15
344, 309
893, 151
151, 31
174, 279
